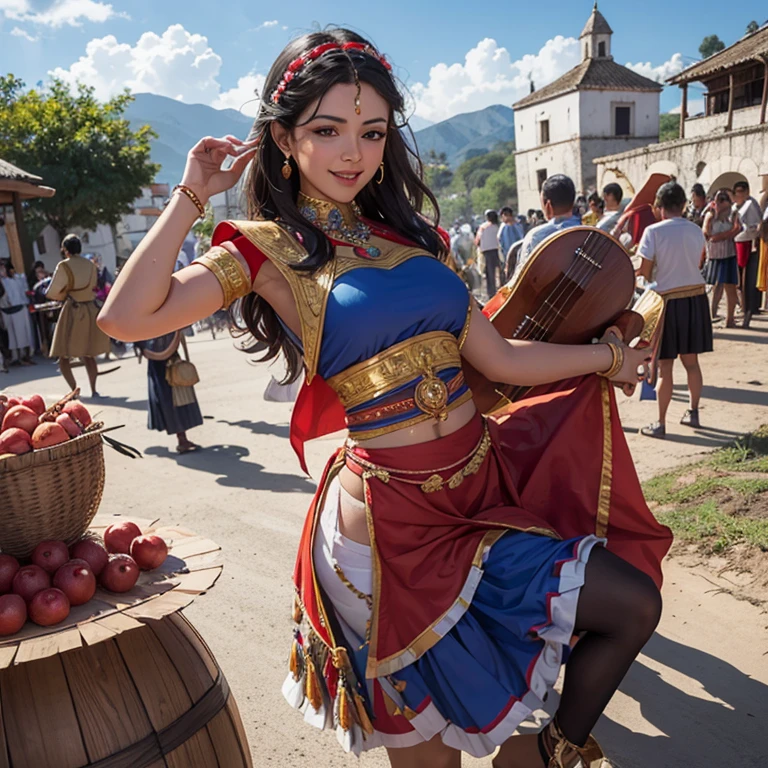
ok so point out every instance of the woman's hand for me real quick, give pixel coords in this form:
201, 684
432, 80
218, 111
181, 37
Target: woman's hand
203, 172
635, 366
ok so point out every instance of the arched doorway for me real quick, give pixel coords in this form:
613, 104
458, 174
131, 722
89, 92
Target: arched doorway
725, 181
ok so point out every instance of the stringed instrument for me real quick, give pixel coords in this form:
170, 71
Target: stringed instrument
576, 284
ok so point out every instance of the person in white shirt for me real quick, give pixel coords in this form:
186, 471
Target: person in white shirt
612, 197
750, 215
557, 196
14, 304
487, 241
672, 252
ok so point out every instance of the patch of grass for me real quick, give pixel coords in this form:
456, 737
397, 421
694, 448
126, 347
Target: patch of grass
689, 502
704, 524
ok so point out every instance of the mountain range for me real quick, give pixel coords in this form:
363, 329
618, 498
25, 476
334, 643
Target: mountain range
179, 126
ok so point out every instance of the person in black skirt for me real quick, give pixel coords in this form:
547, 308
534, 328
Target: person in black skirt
672, 252
721, 225
163, 414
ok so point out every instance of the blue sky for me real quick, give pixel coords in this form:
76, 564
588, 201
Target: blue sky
455, 55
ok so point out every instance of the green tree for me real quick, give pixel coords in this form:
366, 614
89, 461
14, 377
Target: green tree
669, 127
500, 188
753, 26
86, 150
710, 45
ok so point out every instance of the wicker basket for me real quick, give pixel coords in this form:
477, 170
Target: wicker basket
52, 493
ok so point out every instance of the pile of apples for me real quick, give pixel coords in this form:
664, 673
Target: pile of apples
26, 424
59, 577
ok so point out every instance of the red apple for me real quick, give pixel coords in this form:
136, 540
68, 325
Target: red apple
118, 537
13, 614
50, 555
51, 606
22, 417
15, 440
48, 434
149, 551
92, 552
9, 567
120, 574
30, 580
68, 423
78, 412
34, 403
76, 580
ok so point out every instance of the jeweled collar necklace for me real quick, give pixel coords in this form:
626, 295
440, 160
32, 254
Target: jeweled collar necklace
339, 221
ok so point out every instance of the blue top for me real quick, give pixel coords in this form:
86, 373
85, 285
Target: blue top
539, 234
371, 309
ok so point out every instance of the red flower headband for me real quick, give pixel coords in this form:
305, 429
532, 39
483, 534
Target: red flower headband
296, 65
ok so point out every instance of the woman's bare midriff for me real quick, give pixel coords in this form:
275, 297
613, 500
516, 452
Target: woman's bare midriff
352, 522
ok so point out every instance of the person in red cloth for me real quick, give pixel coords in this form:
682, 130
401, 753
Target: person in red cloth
640, 213
447, 558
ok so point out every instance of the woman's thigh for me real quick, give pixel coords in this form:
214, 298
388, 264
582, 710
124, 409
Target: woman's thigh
433, 754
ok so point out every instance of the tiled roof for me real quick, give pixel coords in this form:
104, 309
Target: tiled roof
592, 74
749, 48
12, 173
596, 25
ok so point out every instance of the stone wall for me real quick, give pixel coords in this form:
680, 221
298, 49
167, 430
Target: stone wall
716, 160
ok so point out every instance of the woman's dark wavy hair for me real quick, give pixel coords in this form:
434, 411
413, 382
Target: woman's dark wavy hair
397, 202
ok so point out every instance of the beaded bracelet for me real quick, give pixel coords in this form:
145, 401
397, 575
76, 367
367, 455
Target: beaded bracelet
617, 364
192, 196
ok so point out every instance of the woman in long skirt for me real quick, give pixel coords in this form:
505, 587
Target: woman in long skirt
164, 415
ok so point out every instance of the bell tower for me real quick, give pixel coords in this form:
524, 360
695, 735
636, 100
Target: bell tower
595, 38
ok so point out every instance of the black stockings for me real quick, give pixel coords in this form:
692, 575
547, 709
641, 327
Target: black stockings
619, 608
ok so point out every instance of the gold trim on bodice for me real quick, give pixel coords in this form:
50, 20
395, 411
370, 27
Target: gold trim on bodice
420, 356
311, 288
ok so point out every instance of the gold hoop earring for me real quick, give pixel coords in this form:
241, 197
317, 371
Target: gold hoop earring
381, 178
286, 169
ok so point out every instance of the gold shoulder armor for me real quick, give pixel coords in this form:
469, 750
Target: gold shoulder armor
310, 289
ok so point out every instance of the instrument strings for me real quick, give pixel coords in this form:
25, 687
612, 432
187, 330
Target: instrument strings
545, 316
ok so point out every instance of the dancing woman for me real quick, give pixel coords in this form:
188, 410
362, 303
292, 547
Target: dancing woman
447, 559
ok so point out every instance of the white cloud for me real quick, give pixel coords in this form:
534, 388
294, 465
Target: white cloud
268, 24
695, 107
660, 73
177, 64
490, 76
244, 97
60, 13
18, 32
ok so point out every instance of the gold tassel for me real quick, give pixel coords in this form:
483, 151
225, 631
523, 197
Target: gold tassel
294, 664
345, 711
312, 685
362, 715
297, 612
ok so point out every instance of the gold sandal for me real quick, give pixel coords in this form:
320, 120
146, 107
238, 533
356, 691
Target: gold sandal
561, 753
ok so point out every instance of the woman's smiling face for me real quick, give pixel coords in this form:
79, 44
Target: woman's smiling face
338, 151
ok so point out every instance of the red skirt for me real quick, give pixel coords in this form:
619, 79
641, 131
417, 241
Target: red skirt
558, 465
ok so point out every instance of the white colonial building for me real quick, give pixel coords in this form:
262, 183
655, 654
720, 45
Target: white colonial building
597, 108
725, 144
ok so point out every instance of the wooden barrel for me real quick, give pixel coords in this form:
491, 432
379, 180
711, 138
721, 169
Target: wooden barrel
152, 697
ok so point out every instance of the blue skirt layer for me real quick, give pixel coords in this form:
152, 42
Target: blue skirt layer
496, 665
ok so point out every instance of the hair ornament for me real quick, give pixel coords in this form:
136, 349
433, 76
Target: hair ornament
298, 64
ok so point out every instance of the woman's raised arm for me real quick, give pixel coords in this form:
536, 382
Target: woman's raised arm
148, 299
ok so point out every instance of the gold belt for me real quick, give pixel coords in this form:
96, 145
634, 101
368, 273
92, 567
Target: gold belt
472, 463
425, 355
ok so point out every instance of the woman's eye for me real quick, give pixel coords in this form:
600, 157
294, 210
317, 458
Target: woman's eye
325, 131
375, 135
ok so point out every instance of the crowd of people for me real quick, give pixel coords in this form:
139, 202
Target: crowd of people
686, 246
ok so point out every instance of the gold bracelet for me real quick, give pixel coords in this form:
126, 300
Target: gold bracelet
230, 273
183, 188
617, 363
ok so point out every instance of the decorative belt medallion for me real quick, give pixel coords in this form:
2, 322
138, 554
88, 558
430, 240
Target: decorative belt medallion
431, 395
